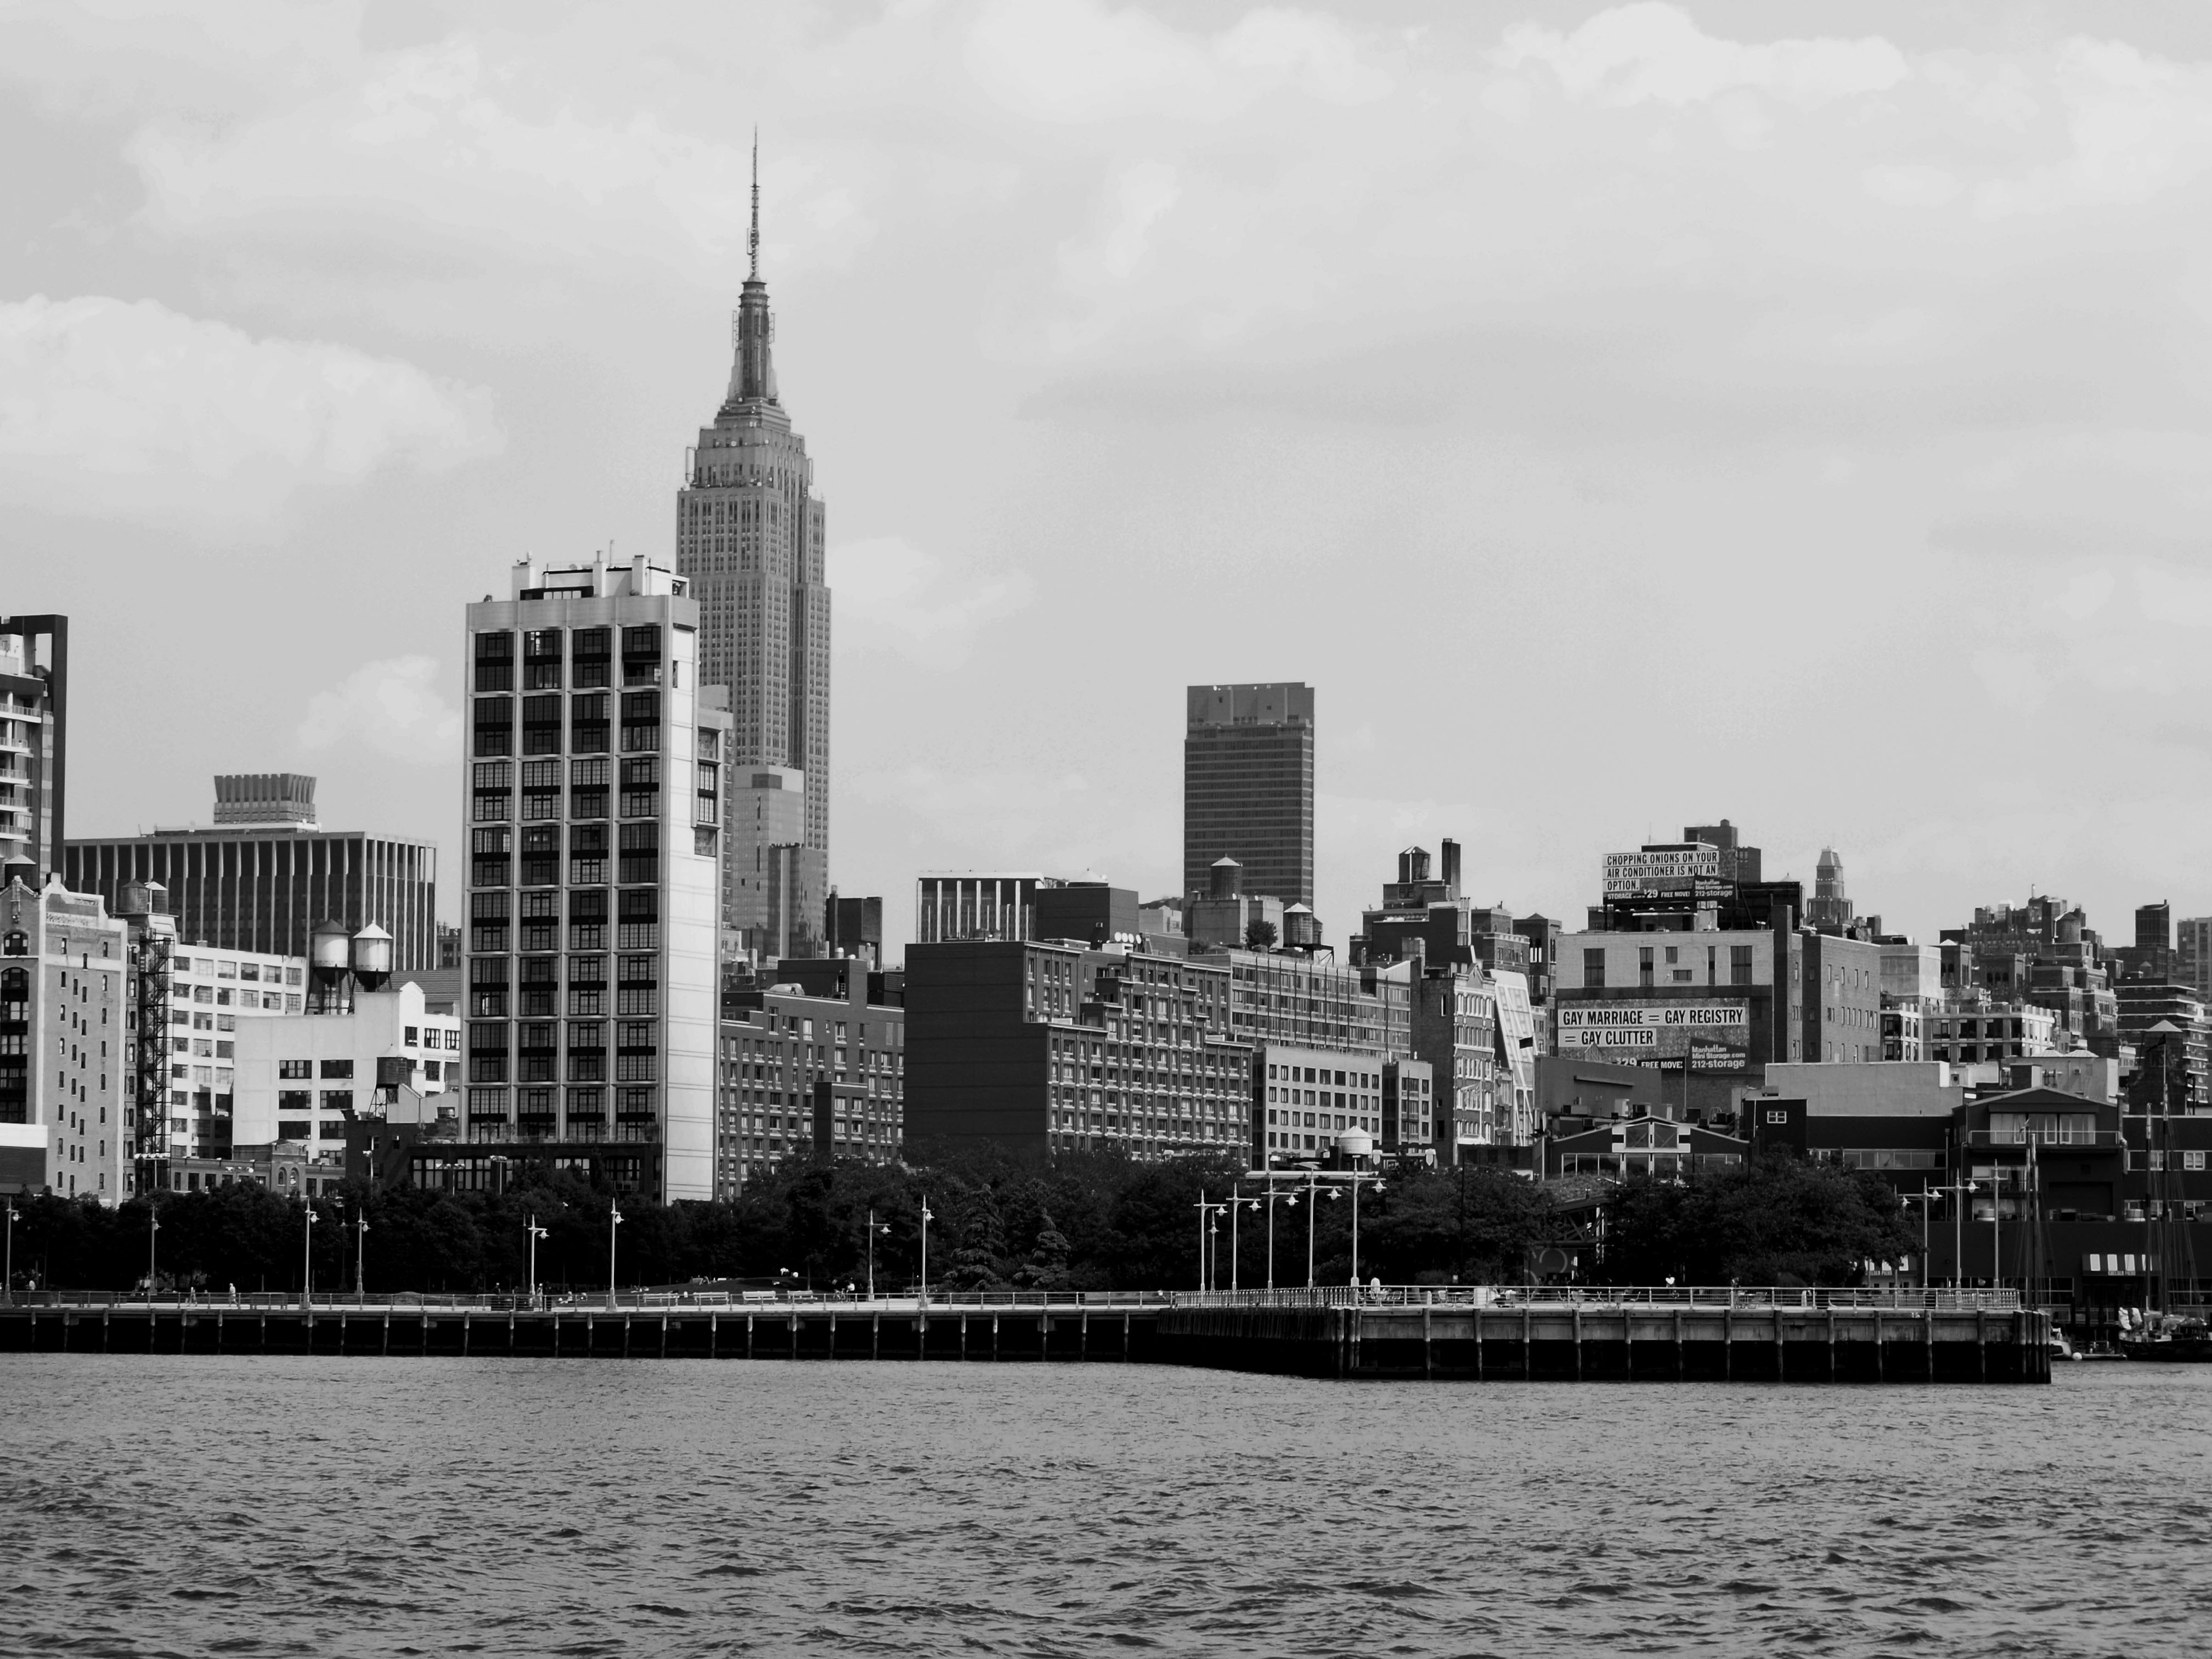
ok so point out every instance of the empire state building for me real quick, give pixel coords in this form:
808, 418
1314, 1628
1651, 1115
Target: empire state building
749, 534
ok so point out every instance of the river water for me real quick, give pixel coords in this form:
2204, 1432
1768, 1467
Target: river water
348, 1506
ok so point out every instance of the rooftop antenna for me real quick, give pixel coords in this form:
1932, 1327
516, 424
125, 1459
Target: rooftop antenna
752, 241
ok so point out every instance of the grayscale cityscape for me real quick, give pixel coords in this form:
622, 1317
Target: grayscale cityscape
1520, 760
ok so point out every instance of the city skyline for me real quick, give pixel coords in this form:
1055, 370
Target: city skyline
1519, 701
1025, 429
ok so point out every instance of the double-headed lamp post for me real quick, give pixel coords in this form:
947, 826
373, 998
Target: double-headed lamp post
308, 1257
1313, 1211
359, 1255
1208, 1209
1358, 1179
536, 1233
1958, 1192
1236, 1201
1925, 1199
152, 1226
7, 1284
873, 1231
925, 1219
614, 1220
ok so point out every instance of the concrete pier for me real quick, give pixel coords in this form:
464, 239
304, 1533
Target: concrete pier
1450, 1336
1012, 1332
1599, 1343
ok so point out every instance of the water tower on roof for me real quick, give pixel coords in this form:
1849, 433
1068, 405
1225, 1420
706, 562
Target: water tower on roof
340, 961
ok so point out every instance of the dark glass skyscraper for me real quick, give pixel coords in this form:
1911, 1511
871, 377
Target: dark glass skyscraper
242, 888
1247, 787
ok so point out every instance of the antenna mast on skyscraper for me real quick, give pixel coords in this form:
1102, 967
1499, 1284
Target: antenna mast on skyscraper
752, 241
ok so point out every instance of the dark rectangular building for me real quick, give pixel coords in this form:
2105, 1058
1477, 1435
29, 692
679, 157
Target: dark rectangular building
1247, 787
1091, 911
853, 927
247, 888
1047, 1048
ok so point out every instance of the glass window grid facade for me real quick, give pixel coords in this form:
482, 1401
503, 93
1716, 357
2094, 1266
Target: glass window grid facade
545, 1059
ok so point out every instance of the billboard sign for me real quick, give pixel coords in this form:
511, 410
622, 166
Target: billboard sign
1661, 869
1716, 1036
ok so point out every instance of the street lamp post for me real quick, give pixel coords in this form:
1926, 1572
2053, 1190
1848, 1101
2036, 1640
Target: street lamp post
1201, 1206
7, 1284
152, 1226
1313, 1216
1237, 1201
925, 1219
1271, 1232
1959, 1233
614, 1220
873, 1231
359, 1255
307, 1258
1357, 1183
537, 1232
1996, 1223
1924, 1199
1209, 1218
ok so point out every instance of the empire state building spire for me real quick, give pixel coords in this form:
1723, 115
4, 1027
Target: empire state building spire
752, 375
750, 536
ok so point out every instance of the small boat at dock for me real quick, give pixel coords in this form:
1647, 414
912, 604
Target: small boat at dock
2173, 1342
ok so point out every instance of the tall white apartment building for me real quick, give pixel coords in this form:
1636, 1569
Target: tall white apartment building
593, 793
64, 1001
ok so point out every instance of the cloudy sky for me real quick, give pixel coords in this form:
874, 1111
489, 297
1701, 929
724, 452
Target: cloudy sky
1623, 417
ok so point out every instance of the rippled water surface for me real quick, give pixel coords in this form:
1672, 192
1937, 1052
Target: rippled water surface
351, 1506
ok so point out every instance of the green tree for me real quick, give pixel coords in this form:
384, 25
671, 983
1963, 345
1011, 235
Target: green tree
1774, 1220
1047, 1267
1461, 1226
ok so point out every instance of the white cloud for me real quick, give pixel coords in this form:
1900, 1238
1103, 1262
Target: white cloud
1654, 52
1909, 184
1141, 196
2181, 598
1077, 61
2139, 126
393, 707
115, 410
891, 596
501, 154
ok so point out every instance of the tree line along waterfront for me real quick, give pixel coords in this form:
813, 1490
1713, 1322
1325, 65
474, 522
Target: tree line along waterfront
1090, 1221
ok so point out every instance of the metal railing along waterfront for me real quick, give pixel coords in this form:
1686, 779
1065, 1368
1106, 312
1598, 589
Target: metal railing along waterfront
1323, 1296
586, 1301
1809, 1297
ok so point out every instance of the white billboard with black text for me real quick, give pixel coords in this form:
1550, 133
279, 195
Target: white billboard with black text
1716, 1036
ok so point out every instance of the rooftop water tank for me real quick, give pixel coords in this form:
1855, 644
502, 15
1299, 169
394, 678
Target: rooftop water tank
330, 952
371, 957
